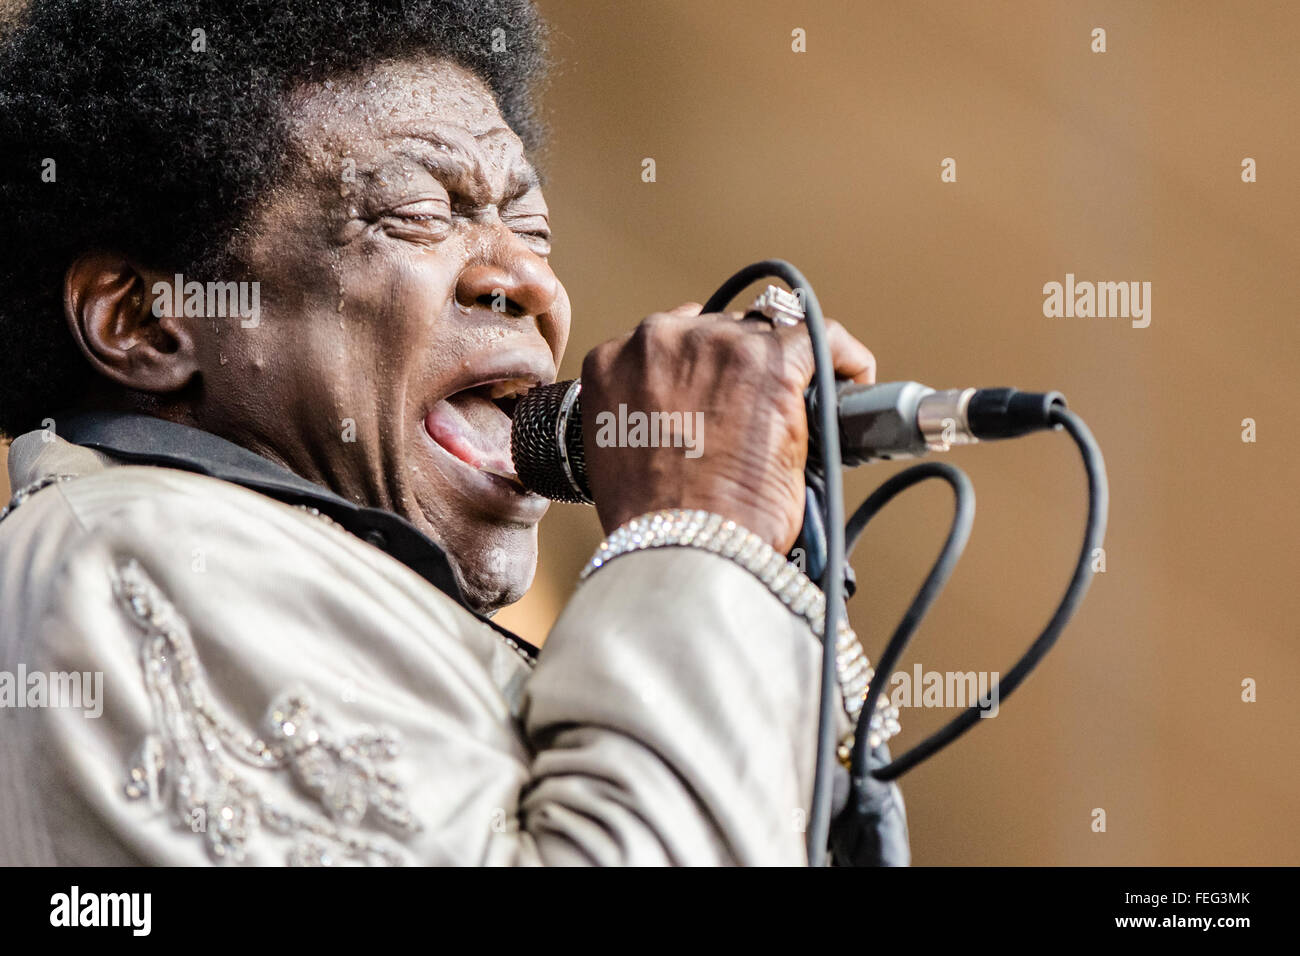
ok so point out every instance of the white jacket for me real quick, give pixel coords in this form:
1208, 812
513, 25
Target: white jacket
275, 689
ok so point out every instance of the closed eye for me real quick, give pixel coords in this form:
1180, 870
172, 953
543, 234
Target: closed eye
539, 242
423, 210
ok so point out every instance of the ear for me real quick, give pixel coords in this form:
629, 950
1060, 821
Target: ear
109, 304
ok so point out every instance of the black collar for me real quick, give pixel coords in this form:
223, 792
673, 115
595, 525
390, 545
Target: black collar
143, 439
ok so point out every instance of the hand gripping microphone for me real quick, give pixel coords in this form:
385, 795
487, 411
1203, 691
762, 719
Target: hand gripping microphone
851, 424
876, 422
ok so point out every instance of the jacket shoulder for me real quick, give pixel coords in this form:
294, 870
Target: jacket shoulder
203, 610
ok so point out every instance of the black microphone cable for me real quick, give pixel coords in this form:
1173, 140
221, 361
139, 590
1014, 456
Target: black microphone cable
833, 533
832, 578
1095, 530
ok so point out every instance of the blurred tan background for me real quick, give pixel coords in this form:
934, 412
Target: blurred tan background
1123, 165
1118, 166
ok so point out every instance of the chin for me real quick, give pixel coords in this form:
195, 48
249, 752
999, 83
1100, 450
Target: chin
488, 591
498, 568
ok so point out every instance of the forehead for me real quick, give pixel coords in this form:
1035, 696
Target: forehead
393, 104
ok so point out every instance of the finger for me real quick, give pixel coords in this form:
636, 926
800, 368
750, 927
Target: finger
686, 308
730, 316
852, 360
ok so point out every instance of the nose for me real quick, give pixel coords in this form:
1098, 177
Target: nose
519, 284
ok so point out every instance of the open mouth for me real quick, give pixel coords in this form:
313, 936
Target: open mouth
473, 425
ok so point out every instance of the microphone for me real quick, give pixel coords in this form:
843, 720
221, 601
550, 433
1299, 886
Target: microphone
882, 422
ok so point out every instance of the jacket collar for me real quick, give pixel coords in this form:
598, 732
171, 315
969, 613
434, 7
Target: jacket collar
145, 440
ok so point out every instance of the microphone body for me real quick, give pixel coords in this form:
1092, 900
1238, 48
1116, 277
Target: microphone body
907, 419
876, 422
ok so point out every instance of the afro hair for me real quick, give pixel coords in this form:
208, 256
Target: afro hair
123, 128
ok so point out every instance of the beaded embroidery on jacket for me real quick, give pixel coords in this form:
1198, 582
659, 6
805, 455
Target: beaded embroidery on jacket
192, 764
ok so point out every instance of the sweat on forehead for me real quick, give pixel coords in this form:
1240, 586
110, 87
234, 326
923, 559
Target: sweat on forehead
430, 114
396, 98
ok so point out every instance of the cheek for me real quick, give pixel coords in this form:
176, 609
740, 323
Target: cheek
395, 309
558, 324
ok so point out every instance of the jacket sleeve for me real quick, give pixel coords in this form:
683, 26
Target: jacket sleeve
674, 713
276, 691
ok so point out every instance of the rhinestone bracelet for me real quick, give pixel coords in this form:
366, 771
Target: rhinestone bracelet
721, 536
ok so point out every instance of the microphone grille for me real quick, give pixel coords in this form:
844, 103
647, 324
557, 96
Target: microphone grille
535, 448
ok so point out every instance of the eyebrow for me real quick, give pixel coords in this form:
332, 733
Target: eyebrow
463, 172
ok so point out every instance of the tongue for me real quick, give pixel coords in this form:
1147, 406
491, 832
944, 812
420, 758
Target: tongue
474, 430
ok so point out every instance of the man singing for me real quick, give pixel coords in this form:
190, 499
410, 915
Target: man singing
274, 274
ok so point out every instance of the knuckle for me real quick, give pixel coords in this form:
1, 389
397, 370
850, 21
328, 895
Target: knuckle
597, 361
796, 369
653, 333
791, 378
741, 350
657, 322
699, 335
